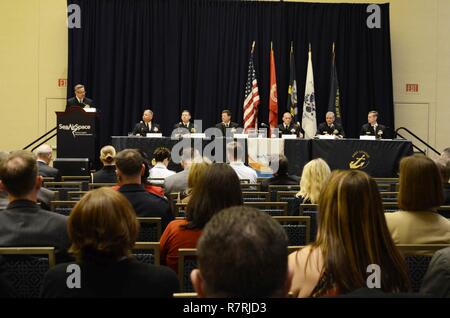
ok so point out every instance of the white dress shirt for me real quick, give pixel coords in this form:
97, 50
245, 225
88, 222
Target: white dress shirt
244, 172
160, 171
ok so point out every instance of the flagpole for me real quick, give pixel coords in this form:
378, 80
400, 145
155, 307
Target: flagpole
309, 48
292, 46
253, 46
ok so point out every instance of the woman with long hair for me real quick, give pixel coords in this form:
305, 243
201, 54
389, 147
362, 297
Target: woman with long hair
352, 234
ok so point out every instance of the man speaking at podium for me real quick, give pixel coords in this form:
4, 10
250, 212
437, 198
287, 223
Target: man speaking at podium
80, 98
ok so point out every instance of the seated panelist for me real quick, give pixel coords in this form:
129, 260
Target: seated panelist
290, 128
146, 125
372, 128
329, 127
185, 126
226, 123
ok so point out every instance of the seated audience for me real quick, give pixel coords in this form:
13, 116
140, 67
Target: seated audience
352, 234
108, 173
235, 155
195, 173
242, 253
162, 158
314, 178
437, 279
217, 188
420, 194
178, 182
23, 222
444, 169
103, 229
281, 176
44, 157
130, 169
44, 196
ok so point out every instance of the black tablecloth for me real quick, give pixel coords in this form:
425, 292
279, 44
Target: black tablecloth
378, 158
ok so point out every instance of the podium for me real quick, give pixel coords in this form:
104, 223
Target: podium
77, 134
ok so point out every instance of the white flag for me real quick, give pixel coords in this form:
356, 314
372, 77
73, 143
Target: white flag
309, 122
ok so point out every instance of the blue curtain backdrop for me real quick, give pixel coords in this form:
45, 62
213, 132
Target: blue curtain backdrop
170, 55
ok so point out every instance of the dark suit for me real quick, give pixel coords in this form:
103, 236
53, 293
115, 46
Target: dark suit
280, 180
143, 129
334, 129
223, 128
291, 130
74, 102
46, 171
368, 130
186, 129
126, 278
147, 204
105, 175
24, 223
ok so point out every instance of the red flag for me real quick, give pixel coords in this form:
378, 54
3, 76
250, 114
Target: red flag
273, 101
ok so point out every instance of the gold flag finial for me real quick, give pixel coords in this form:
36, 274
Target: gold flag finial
292, 46
334, 46
309, 47
271, 45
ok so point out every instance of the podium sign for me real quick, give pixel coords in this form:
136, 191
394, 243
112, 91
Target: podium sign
77, 134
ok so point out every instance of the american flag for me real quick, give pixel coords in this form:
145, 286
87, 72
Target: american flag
251, 100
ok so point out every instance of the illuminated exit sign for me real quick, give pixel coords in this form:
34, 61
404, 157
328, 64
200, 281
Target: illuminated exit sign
412, 88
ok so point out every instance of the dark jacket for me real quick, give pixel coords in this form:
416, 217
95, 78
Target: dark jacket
367, 130
74, 102
291, 130
437, 279
223, 128
107, 174
186, 129
46, 171
334, 129
142, 129
124, 279
147, 204
280, 180
25, 224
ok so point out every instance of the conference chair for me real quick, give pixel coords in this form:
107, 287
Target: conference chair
24, 268
187, 261
147, 252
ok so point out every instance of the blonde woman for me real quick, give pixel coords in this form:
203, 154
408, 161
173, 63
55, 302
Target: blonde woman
195, 173
108, 173
314, 177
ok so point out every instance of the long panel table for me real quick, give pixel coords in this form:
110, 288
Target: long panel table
378, 158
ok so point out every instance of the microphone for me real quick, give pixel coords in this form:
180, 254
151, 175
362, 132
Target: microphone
263, 125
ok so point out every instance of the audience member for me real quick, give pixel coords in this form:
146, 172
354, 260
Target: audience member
178, 182
217, 188
235, 155
44, 157
242, 253
195, 173
444, 169
103, 229
437, 279
108, 173
281, 175
130, 169
314, 178
23, 222
420, 194
161, 156
352, 234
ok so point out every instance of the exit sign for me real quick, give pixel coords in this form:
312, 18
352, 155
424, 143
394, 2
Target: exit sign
62, 82
412, 88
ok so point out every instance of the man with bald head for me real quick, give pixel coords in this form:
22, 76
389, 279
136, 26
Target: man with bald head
329, 127
44, 157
